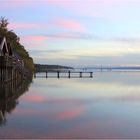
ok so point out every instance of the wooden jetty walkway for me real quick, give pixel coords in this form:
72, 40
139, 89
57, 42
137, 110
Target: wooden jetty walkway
68, 74
11, 67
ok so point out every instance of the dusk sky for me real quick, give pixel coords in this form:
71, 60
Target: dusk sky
77, 32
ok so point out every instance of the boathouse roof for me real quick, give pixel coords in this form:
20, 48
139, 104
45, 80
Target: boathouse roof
6, 49
16, 55
3, 46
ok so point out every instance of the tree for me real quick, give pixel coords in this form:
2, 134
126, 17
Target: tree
3, 23
3, 26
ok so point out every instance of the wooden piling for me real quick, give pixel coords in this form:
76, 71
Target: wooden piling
58, 76
80, 74
46, 74
69, 74
91, 74
34, 74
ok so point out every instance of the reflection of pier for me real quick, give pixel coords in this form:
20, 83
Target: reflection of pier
9, 94
69, 74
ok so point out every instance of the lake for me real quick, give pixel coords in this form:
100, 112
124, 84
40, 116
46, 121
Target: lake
105, 106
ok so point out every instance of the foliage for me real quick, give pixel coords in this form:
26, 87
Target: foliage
13, 39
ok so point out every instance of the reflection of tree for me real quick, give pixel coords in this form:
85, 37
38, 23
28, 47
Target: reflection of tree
9, 94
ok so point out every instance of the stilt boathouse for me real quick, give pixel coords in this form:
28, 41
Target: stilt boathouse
11, 66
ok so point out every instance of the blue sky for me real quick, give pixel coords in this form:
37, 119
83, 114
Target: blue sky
77, 32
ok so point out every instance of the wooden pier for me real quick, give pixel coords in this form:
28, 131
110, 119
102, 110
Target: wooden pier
68, 74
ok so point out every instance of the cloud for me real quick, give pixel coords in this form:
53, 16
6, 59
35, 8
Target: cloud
59, 35
21, 25
114, 53
91, 8
126, 40
20, 3
52, 24
89, 3
34, 38
70, 35
106, 10
69, 24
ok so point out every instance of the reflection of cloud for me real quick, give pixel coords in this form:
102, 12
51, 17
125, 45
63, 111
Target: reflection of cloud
16, 133
22, 111
33, 98
70, 114
93, 129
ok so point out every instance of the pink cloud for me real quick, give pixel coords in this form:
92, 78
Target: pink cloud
60, 35
34, 38
69, 24
26, 25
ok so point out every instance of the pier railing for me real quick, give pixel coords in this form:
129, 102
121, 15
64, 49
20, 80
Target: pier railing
67, 74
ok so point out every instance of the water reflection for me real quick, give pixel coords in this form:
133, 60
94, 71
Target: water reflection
9, 94
106, 106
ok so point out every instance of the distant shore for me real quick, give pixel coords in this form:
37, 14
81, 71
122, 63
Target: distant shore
44, 68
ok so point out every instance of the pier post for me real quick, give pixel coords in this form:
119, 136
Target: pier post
1, 74
58, 76
91, 74
12, 74
6, 75
46, 74
69, 74
34, 74
80, 74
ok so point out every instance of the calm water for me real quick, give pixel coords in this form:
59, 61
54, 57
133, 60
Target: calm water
105, 106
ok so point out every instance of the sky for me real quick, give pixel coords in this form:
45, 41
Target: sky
77, 32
